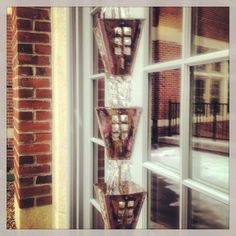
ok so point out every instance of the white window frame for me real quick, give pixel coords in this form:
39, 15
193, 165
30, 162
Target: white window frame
184, 64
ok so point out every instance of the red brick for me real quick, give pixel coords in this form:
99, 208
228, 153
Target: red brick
23, 93
42, 26
24, 24
33, 148
43, 71
25, 160
44, 159
34, 191
35, 83
32, 13
43, 93
23, 115
44, 201
43, 137
25, 59
26, 203
33, 126
25, 48
45, 179
24, 71
43, 115
32, 37
43, 49
25, 138
28, 181
34, 105
31, 170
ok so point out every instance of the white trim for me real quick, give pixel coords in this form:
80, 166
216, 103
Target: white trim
96, 204
159, 169
211, 192
145, 115
88, 117
169, 65
98, 76
97, 141
184, 118
208, 58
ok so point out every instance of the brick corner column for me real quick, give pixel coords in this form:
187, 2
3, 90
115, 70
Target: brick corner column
31, 46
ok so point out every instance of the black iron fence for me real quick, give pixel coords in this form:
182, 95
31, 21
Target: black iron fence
210, 120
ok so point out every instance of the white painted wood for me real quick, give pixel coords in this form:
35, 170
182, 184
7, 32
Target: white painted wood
98, 76
88, 117
211, 192
97, 141
96, 204
162, 170
185, 117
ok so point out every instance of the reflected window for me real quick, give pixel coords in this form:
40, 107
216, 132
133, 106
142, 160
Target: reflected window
207, 213
164, 203
165, 117
98, 100
210, 127
210, 29
166, 33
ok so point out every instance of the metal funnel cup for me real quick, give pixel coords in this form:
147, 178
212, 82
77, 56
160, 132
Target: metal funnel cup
117, 41
118, 129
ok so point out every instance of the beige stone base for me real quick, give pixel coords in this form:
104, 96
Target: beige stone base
33, 218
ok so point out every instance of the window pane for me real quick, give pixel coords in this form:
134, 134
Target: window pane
206, 212
164, 203
210, 29
210, 124
97, 61
98, 97
98, 164
165, 117
166, 33
97, 219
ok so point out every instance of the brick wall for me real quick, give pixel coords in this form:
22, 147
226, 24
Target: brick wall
32, 105
9, 94
213, 22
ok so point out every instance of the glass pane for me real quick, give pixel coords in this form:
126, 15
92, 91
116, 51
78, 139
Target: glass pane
97, 219
165, 33
164, 203
97, 61
98, 97
165, 117
98, 165
206, 212
210, 124
210, 29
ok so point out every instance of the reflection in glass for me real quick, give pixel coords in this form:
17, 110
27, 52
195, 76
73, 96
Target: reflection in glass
164, 203
210, 29
165, 117
206, 212
166, 33
97, 219
98, 163
210, 124
98, 100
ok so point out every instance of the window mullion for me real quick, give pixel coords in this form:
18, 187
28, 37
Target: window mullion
185, 116
87, 129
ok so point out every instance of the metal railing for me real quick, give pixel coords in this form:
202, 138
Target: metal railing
209, 120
